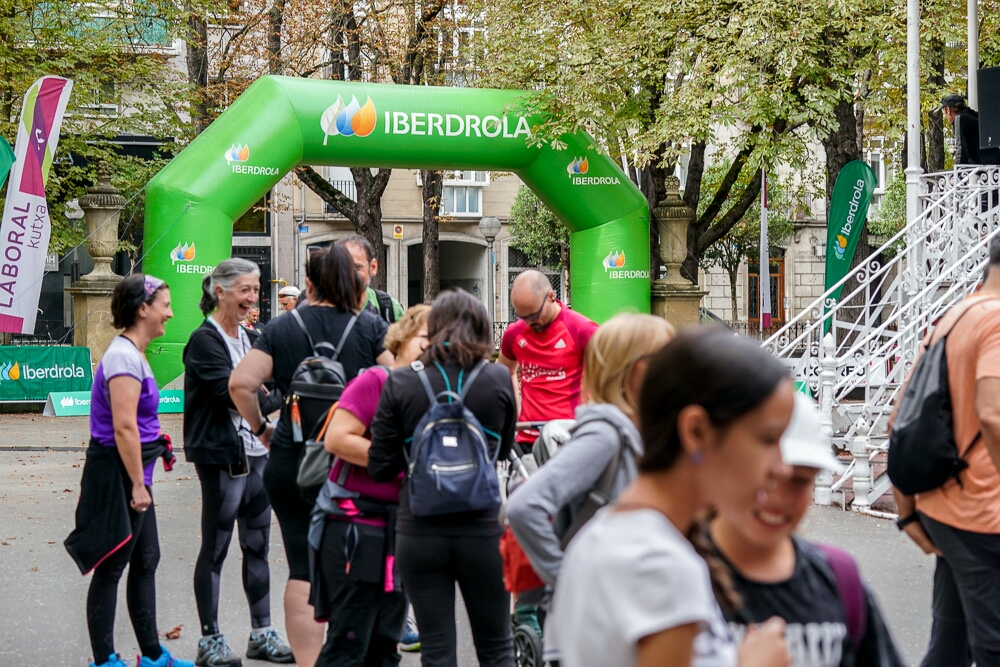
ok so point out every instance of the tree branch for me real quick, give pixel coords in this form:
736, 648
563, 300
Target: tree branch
327, 192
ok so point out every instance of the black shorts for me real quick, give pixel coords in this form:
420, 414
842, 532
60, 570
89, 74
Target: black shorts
290, 508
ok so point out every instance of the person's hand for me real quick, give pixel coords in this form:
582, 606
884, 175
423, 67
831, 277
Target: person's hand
917, 534
265, 437
141, 499
764, 645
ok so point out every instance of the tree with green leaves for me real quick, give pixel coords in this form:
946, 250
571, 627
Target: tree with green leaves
402, 42
537, 232
659, 83
116, 54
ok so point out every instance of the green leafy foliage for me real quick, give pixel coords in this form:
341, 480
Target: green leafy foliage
537, 231
890, 217
116, 54
742, 243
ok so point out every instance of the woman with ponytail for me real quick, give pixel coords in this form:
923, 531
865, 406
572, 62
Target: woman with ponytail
229, 460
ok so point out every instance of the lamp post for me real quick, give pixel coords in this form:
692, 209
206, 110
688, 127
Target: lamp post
489, 227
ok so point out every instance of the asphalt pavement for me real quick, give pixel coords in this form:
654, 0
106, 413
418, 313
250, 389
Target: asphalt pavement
40, 463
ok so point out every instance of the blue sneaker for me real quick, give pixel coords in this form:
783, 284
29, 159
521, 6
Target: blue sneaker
411, 637
165, 660
114, 660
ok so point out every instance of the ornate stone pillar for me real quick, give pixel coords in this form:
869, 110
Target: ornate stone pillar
675, 297
102, 207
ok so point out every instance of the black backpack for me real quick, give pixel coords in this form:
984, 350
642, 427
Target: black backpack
317, 383
923, 454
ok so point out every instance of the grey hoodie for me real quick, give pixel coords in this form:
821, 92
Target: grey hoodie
536, 509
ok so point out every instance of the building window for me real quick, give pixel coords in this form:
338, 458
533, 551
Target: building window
462, 194
777, 285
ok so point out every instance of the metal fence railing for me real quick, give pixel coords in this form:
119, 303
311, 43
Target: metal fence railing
498, 329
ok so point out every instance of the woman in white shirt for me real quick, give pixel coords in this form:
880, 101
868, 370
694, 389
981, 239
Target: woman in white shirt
632, 589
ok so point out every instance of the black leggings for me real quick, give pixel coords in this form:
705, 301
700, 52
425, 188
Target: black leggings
430, 566
225, 501
142, 555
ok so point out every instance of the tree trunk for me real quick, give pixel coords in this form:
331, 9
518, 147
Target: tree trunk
276, 18
734, 302
196, 42
369, 213
935, 119
654, 190
433, 184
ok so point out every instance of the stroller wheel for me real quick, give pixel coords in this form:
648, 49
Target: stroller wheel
527, 647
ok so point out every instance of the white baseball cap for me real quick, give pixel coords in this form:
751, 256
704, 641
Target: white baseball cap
802, 444
289, 290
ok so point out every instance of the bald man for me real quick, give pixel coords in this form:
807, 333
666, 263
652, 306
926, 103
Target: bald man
546, 344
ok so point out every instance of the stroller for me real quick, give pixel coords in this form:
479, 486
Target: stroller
519, 577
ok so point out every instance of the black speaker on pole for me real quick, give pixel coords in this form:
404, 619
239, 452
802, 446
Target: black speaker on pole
989, 108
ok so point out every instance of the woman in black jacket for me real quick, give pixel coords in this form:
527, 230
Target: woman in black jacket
229, 461
434, 553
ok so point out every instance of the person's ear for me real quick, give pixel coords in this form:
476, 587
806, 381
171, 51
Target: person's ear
373, 268
695, 430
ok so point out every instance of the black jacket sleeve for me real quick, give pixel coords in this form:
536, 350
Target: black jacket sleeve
385, 457
208, 361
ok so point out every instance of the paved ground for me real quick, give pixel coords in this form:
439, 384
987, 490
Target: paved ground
40, 460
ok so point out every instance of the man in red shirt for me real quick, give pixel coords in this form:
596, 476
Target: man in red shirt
546, 344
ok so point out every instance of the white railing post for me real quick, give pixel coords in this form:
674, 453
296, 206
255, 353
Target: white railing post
862, 482
827, 377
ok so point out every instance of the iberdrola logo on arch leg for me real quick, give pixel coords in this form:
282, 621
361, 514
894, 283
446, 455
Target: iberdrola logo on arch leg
184, 252
614, 260
349, 119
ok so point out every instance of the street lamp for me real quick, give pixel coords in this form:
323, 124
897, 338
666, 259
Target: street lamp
489, 227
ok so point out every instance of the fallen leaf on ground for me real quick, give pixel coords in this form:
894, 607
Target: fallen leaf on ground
174, 633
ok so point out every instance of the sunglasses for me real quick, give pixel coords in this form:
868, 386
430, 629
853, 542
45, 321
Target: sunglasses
537, 313
151, 284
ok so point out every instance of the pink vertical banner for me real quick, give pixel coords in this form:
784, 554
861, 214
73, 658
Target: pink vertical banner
25, 230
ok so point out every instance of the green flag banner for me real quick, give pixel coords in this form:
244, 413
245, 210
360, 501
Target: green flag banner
848, 213
6, 160
31, 373
283, 122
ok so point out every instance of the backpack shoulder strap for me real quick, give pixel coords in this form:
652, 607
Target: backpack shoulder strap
600, 494
850, 589
418, 366
343, 337
470, 378
385, 308
302, 325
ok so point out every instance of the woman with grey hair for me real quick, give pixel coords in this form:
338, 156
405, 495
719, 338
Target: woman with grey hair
229, 460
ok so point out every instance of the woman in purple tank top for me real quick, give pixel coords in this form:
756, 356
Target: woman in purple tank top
116, 518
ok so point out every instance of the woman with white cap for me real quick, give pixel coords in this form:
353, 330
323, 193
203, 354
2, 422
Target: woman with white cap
832, 619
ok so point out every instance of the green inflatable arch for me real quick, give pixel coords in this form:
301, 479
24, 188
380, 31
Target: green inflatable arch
280, 123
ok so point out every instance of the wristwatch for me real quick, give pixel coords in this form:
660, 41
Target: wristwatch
906, 521
263, 427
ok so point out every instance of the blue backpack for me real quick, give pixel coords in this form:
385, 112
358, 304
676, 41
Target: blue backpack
449, 466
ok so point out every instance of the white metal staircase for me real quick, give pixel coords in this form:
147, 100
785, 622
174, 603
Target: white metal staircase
855, 352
